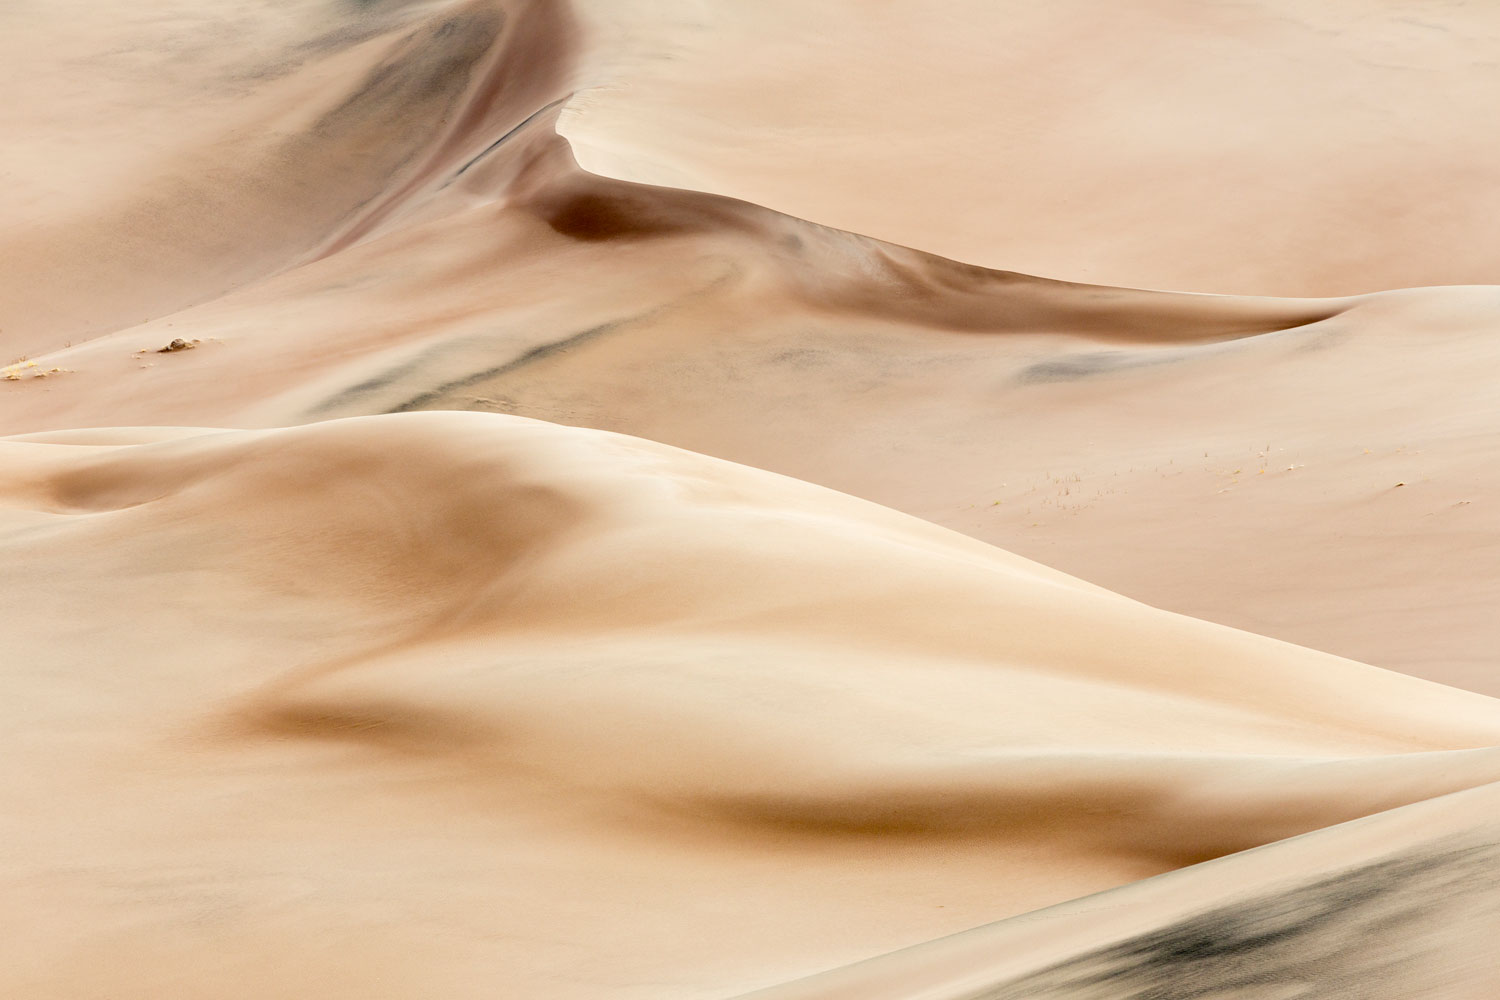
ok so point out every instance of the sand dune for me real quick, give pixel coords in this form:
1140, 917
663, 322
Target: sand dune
308, 690
723, 728
1398, 905
1232, 458
1265, 147
323, 115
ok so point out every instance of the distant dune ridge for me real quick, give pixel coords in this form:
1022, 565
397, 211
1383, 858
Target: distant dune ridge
567, 697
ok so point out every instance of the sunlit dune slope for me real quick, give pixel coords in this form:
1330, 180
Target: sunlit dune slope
422, 699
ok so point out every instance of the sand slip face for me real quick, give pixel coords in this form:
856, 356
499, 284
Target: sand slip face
440, 698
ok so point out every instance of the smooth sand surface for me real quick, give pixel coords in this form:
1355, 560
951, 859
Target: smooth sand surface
1402, 904
1270, 147
1232, 458
437, 698
358, 700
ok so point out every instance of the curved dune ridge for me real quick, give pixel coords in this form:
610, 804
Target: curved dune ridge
531, 685
1233, 458
359, 700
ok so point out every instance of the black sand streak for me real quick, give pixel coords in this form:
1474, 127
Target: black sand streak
344, 36
530, 357
534, 355
501, 141
380, 381
1345, 937
1312, 336
427, 67
1075, 366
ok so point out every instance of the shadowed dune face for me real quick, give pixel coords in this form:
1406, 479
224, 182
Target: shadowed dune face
248, 645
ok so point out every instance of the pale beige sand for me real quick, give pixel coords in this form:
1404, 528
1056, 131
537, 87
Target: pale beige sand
457, 704
1273, 147
422, 704
1231, 458
1404, 904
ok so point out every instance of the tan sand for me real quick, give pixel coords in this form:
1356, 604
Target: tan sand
402, 704
1272, 147
1397, 905
1232, 458
372, 702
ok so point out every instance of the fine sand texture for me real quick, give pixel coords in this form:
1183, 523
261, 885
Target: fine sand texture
1269, 147
396, 705
1233, 458
1404, 904
599, 500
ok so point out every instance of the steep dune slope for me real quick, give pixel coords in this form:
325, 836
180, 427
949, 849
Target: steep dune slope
443, 699
1267, 147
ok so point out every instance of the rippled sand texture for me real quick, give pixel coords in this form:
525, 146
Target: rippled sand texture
357, 700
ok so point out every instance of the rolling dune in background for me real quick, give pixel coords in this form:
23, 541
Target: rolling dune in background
362, 700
